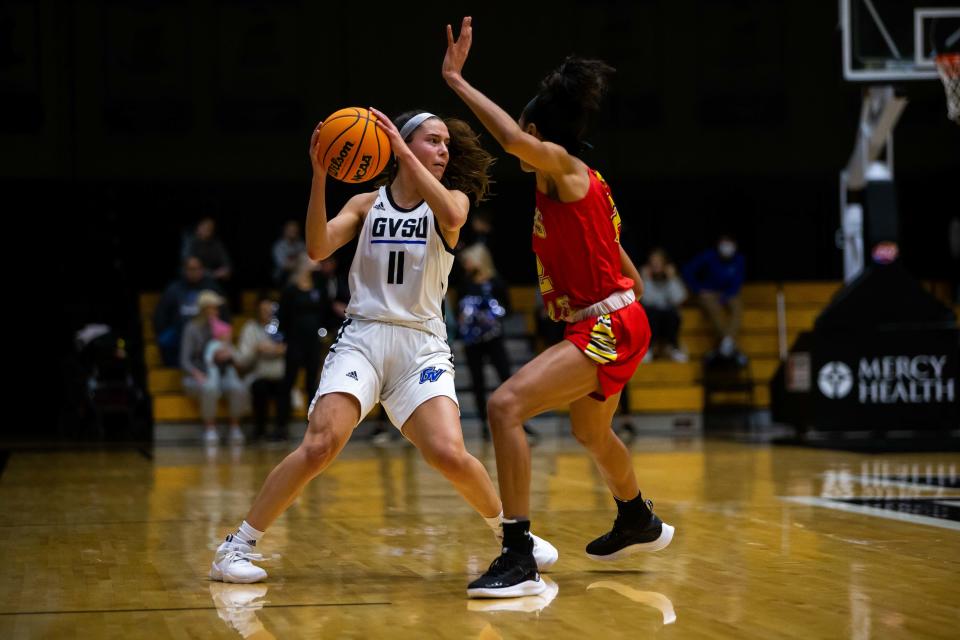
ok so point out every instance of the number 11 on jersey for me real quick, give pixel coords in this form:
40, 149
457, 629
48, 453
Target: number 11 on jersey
395, 268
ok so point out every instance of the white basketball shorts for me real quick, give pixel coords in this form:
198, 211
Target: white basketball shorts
397, 366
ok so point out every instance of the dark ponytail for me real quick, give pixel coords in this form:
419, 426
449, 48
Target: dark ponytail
568, 97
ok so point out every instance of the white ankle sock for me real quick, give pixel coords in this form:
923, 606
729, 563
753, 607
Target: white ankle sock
248, 534
494, 522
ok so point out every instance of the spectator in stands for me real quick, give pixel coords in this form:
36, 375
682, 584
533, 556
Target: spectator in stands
286, 252
662, 296
204, 244
715, 277
261, 354
481, 226
218, 354
304, 314
177, 305
484, 301
208, 380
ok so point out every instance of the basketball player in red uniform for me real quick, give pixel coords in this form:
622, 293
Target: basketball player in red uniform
587, 281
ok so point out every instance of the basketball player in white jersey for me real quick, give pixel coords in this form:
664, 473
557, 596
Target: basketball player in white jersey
392, 348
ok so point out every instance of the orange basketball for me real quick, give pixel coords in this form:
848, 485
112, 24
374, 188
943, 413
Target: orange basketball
352, 148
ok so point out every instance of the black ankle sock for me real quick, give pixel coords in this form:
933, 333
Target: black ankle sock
634, 511
516, 536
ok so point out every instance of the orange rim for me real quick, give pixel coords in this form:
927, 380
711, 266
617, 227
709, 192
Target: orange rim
949, 63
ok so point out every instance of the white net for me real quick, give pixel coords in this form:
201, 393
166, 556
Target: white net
949, 67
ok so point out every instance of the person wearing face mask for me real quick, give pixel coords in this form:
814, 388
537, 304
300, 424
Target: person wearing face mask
716, 277
662, 296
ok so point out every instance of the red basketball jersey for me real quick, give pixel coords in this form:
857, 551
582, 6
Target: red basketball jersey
578, 249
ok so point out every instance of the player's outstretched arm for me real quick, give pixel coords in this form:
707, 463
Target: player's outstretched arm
544, 156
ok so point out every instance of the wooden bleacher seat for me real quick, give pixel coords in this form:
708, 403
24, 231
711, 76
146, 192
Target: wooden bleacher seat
523, 299
148, 303
164, 380
816, 294
656, 387
661, 372
662, 386
151, 355
146, 328
759, 295
663, 399
177, 407
754, 345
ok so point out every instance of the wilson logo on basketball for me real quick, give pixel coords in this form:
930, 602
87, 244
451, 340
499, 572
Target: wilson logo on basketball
352, 147
362, 169
337, 161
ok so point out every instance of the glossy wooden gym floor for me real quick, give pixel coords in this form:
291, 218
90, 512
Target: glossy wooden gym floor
116, 544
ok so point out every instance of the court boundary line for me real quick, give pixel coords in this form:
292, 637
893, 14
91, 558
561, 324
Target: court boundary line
872, 511
207, 608
307, 519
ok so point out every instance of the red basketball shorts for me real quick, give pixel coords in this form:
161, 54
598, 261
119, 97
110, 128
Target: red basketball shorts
617, 342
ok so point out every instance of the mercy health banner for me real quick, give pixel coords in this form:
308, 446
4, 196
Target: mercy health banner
877, 379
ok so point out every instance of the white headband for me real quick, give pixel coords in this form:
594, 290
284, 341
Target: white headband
413, 123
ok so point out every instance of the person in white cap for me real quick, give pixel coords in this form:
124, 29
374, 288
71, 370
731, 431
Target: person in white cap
199, 381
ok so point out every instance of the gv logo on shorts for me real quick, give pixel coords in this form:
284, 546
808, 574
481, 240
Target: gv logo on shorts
430, 374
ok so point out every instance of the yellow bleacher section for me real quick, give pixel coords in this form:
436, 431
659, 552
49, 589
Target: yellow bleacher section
670, 386
660, 387
656, 387
523, 300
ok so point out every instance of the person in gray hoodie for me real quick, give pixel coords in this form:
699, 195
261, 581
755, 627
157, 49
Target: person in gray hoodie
662, 297
260, 355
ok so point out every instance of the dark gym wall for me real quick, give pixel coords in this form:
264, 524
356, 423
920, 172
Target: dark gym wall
122, 121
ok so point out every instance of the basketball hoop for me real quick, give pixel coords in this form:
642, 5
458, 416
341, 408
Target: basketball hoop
948, 64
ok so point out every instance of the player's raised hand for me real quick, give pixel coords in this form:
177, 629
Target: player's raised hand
457, 50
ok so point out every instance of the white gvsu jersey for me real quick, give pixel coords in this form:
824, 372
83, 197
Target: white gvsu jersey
401, 268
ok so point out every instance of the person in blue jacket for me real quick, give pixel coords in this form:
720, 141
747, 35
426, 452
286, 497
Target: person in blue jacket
715, 278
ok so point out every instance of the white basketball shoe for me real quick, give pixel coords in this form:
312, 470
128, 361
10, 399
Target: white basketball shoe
232, 563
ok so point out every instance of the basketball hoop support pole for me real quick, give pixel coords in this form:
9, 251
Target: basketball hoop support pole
879, 114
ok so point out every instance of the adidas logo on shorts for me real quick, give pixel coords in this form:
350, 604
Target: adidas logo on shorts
353, 374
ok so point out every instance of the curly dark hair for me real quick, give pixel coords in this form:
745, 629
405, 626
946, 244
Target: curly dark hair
568, 97
469, 167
